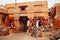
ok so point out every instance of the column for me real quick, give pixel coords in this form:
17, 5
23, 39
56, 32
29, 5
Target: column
16, 22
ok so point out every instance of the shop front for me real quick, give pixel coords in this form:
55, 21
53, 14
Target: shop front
23, 20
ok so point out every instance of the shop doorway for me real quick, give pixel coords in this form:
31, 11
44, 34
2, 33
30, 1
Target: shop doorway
23, 20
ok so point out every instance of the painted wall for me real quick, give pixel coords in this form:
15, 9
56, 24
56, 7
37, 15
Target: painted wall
41, 9
33, 9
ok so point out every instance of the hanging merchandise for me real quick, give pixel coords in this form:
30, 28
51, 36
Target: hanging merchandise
9, 21
57, 23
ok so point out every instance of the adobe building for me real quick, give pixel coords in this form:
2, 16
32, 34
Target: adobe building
3, 15
55, 10
27, 10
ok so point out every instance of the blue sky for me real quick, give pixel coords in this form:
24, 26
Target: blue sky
50, 2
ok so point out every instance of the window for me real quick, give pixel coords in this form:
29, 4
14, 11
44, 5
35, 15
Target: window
37, 12
23, 8
38, 5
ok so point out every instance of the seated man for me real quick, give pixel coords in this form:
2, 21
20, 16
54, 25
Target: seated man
35, 31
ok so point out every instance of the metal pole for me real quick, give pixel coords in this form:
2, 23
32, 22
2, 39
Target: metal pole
15, 3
